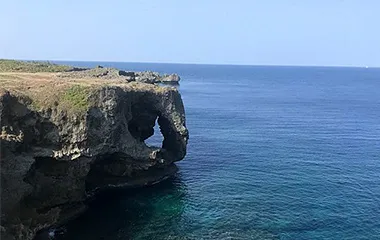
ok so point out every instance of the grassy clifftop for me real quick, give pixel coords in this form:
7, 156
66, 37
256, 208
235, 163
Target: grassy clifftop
47, 85
7, 65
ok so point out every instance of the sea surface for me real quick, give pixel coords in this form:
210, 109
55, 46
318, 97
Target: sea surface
274, 153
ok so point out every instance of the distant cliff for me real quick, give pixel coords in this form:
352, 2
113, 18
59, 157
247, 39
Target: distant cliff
98, 72
64, 139
129, 76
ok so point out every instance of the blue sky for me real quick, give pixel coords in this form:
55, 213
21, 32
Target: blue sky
266, 32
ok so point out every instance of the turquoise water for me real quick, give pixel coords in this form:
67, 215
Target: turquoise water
274, 153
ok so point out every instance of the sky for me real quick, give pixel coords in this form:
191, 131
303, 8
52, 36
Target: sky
266, 32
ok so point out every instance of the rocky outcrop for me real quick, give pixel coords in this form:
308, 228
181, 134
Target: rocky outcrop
129, 76
53, 159
154, 77
170, 78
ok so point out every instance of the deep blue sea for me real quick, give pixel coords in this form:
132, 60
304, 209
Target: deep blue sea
274, 153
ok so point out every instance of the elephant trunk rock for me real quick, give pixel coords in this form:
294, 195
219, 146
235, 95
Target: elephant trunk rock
54, 158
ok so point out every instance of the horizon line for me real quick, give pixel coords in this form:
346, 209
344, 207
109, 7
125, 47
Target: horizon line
211, 64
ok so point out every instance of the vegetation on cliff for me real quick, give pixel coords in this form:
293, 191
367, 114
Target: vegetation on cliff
44, 85
77, 97
7, 65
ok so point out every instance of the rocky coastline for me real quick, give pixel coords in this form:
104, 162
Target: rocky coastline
67, 135
129, 76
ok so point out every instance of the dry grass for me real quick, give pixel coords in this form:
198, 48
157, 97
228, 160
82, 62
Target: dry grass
47, 90
41, 85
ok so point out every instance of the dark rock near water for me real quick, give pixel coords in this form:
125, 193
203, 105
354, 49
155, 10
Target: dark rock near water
53, 161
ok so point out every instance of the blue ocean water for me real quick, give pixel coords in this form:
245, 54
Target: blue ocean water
274, 153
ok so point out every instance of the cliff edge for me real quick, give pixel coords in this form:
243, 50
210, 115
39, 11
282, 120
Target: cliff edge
63, 140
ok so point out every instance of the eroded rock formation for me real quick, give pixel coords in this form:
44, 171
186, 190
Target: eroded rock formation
53, 160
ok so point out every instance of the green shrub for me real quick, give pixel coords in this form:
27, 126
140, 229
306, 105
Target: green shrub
77, 98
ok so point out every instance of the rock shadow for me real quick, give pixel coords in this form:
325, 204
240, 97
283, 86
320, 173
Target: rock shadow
128, 214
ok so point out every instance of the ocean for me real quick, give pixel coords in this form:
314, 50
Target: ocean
274, 153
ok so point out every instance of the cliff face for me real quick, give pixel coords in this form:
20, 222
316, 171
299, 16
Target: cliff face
53, 159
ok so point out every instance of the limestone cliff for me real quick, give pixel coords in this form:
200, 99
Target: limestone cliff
64, 140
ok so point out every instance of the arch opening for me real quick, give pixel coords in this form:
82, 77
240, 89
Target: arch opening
156, 139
